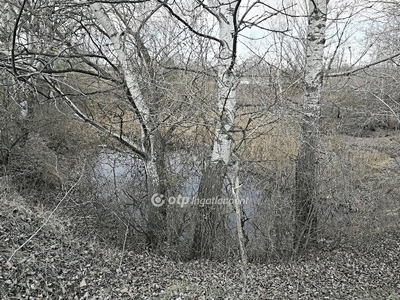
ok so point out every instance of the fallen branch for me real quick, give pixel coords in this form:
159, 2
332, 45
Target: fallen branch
47, 219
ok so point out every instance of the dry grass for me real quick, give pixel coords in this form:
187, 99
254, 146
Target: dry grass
358, 177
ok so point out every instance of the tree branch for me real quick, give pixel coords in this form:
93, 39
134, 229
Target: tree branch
117, 136
47, 219
210, 10
170, 10
14, 37
351, 72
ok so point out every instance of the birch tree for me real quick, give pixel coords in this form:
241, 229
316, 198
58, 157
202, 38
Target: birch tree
101, 45
104, 42
212, 180
22, 94
307, 159
152, 146
230, 23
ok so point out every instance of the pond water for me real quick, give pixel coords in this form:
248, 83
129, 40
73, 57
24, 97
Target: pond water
121, 178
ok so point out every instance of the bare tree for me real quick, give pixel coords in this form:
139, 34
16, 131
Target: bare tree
307, 159
68, 48
212, 180
152, 146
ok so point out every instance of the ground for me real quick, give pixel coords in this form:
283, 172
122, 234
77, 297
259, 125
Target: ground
58, 264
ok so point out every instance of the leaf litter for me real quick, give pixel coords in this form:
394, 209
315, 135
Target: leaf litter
56, 264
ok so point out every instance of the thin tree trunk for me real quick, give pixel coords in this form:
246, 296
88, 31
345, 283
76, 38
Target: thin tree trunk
152, 144
240, 227
156, 234
307, 160
212, 181
155, 215
239, 217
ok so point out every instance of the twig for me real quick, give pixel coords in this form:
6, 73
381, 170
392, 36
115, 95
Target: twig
124, 246
14, 37
47, 219
353, 71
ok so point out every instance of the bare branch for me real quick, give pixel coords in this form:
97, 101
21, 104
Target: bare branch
48, 218
14, 37
209, 9
353, 71
170, 10
117, 136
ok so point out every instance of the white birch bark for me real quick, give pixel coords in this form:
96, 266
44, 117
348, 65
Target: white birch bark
133, 86
314, 67
6, 22
130, 78
213, 176
155, 221
227, 83
307, 161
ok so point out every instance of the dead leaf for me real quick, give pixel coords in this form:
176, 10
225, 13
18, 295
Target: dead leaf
83, 283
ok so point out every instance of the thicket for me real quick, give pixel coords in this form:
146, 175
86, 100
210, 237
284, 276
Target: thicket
47, 153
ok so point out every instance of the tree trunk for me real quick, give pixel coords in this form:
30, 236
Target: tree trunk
305, 191
153, 146
307, 160
208, 214
212, 181
156, 184
239, 217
